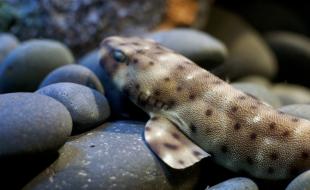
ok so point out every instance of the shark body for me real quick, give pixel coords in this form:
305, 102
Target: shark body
195, 114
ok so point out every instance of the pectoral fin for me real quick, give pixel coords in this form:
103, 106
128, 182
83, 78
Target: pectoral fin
170, 144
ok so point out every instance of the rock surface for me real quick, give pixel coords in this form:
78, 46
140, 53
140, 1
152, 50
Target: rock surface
293, 54
8, 42
248, 53
113, 156
299, 110
200, 47
32, 124
286, 16
256, 80
75, 74
238, 183
27, 65
259, 91
301, 182
87, 107
291, 94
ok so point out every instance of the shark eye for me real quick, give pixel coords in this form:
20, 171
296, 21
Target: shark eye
119, 56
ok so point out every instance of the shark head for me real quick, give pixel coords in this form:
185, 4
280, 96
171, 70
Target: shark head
142, 69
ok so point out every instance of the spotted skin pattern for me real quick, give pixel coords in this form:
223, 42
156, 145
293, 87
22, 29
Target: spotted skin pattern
241, 132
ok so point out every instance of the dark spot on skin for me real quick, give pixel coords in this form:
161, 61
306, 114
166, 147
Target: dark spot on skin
122, 44
272, 125
273, 156
140, 51
234, 109
181, 162
241, 97
176, 136
154, 118
193, 128
209, 112
285, 133
304, 155
135, 61
253, 107
249, 160
158, 52
137, 86
171, 146
92, 146
196, 153
157, 92
237, 126
281, 112
148, 128
270, 170
295, 120
192, 96
224, 149
135, 43
179, 88
151, 63
157, 46
166, 79
187, 62
181, 67
171, 103
253, 136
217, 82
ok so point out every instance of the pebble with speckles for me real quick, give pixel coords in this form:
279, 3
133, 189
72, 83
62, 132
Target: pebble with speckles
112, 157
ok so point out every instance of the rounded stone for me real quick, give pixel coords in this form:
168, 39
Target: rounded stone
113, 156
301, 182
256, 80
90, 58
121, 106
87, 107
298, 110
8, 42
27, 65
248, 52
291, 93
32, 124
285, 17
198, 46
293, 54
238, 183
73, 73
261, 92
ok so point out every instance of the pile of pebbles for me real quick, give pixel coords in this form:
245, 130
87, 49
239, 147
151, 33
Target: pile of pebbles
63, 125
